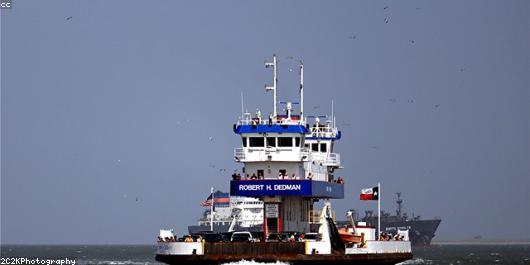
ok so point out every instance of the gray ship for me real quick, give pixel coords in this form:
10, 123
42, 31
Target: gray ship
421, 231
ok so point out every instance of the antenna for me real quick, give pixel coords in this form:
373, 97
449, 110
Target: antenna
301, 91
332, 116
274, 81
242, 106
399, 201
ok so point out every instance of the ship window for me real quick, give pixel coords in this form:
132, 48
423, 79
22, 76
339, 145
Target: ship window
271, 141
285, 142
314, 147
323, 147
256, 141
244, 141
306, 146
297, 141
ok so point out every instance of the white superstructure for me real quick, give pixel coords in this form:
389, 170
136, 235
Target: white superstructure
247, 211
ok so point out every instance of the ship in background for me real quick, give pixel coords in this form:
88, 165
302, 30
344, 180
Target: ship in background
246, 213
242, 213
421, 231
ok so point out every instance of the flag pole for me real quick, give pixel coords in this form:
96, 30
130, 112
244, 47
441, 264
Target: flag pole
211, 209
378, 210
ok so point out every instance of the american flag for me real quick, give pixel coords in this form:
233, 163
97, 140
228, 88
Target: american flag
218, 198
206, 203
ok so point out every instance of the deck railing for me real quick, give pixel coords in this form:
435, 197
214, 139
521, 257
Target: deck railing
268, 154
333, 159
322, 131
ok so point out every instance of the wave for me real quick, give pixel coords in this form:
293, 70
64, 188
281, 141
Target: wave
416, 261
252, 262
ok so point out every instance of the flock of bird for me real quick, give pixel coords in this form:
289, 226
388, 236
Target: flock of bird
386, 20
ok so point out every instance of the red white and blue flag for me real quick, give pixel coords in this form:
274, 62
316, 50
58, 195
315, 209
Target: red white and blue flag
219, 198
370, 194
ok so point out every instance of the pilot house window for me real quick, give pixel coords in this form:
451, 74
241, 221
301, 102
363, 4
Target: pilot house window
314, 147
244, 141
323, 147
297, 141
256, 141
271, 141
285, 142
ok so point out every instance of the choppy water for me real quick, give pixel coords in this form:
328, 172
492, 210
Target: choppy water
136, 255
471, 254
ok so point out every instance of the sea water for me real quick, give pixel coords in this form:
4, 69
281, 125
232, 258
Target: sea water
136, 255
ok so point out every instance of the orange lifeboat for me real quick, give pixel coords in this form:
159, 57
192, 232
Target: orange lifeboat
349, 237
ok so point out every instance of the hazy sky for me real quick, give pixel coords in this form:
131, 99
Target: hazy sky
118, 102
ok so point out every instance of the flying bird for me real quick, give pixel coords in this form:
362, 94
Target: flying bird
411, 41
437, 105
387, 20
385, 8
68, 18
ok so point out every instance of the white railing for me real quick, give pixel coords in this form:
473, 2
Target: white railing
239, 154
326, 159
270, 154
247, 119
322, 131
285, 154
333, 159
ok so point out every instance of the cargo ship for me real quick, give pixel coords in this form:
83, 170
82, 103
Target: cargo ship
289, 165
